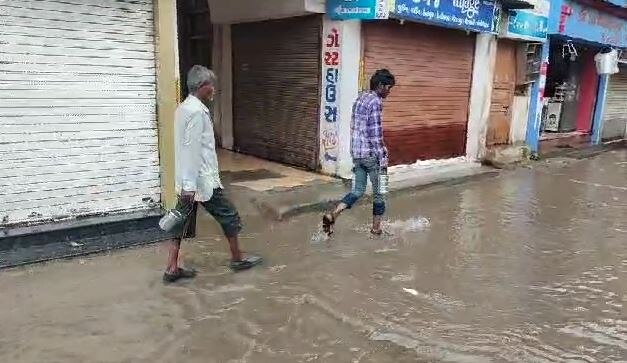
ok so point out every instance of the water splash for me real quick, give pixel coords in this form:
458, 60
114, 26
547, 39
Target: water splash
319, 237
414, 224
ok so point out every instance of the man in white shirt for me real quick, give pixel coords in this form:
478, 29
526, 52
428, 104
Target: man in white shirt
198, 175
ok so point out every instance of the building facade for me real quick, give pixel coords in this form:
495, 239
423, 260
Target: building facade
78, 111
570, 102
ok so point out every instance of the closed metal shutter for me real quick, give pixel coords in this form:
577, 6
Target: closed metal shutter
78, 131
615, 115
276, 67
426, 115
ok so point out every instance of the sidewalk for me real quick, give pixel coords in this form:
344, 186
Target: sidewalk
280, 192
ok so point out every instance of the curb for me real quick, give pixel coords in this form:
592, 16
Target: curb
284, 212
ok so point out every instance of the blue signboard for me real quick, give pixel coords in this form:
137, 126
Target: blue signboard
357, 9
527, 25
474, 15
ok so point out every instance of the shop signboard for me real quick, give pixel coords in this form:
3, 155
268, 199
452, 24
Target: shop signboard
357, 9
579, 21
473, 15
528, 24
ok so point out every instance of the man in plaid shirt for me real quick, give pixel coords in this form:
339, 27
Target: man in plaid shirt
370, 156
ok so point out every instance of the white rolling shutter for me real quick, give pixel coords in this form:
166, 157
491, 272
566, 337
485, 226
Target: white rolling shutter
615, 114
78, 129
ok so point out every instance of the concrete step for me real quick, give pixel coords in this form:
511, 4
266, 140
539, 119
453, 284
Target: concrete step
62, 240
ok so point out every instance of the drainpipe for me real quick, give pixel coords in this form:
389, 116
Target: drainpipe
597, 122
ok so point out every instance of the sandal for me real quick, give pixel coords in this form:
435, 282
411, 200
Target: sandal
327, 224
181, 273
246, 263
376, 233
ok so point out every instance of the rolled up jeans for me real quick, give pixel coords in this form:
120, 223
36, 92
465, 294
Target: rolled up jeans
362, 169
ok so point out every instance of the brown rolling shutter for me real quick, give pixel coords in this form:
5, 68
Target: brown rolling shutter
276, 67
615, 114
426, 115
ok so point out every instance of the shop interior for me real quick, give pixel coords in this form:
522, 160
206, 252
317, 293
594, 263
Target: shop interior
571, 90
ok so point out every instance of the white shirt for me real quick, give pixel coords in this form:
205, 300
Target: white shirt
195, 150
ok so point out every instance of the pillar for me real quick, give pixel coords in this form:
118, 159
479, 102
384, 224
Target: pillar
341, 54
597, 121
167, 93
536, 104
480, 95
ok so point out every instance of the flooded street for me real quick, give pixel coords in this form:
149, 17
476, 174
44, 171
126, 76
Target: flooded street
529, 266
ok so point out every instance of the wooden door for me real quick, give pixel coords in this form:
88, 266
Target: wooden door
502, 93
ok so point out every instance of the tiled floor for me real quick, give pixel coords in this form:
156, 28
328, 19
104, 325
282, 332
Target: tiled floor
262, 175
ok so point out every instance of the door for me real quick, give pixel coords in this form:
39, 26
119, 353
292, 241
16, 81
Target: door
276, 69
78, 128
503, 91
426, 115
195, 37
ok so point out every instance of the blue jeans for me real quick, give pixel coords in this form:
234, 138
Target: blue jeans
364, 168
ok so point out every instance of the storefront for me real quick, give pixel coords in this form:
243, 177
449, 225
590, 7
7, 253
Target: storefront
267, 59
78, 127
276, 82
567, 104
615, 115
571, 89
517, 67
426, 117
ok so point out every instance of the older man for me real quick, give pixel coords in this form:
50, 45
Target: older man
198, 175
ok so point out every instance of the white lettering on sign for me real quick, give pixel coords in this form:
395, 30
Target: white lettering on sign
470, 8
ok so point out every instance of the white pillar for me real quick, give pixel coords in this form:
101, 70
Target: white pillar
349, 89
481, 95
341, 55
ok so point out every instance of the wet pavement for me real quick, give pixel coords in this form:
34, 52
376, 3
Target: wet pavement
529, 266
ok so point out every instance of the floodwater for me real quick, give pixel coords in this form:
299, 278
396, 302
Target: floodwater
529, 266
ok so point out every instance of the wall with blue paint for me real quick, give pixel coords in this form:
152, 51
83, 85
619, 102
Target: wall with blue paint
587, 23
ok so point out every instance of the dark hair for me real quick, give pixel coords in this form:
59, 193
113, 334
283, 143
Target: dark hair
382, 77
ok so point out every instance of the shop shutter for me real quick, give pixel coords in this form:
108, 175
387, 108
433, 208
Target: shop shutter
426, 115
78, 131
615, 115
276, 67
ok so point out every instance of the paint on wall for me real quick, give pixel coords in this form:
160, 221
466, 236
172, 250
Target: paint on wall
520, 115
330, 105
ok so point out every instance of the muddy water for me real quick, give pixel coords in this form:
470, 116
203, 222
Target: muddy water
530, 266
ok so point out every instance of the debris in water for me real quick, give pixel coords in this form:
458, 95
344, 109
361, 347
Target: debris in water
278, 268
76, 244
411, 291
386, 250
